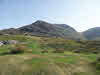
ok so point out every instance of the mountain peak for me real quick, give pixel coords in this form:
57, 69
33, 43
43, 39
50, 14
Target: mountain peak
39, 22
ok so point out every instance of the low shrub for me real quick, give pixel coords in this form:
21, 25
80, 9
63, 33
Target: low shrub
98, 66
18, 48
45, 51
58, 51
77, 51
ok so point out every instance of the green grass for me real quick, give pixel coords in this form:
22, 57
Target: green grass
37, 63
14, 37
4, 49
91, 57
42, 63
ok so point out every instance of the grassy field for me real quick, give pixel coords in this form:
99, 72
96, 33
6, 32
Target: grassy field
47, 56
46, 64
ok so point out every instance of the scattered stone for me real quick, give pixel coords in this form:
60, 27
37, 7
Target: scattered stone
13, 42
6, 34
1, 44
5, 42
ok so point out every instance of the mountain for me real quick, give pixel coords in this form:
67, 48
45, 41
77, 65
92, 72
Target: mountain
10, 31
47, 29
92, 34
42, 28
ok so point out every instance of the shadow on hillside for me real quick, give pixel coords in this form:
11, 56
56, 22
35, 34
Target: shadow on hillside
10, 53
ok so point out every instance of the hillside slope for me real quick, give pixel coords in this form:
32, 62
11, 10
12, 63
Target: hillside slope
68, 59
41, 28
44, 65
92, 34
48, 29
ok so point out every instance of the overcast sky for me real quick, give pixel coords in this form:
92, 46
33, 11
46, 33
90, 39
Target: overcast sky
80, 14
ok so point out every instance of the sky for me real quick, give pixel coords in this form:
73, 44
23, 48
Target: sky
79, 14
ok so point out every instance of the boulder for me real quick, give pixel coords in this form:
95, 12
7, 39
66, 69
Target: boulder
1, 44
5, 42
13, 42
